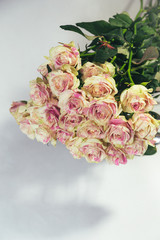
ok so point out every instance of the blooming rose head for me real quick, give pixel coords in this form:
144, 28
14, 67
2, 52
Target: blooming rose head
102, 110
72, 101
70, 121
64, 135
138, 147
60, 81
28, 127
43, 68
90, 69
145, 125
34, 129
89, 129
65, 54
93, 150
100, 86
116, 155
119, 132
108, 68
43, 134
136, 99
73, 144
40, 92
47, 115
19, 110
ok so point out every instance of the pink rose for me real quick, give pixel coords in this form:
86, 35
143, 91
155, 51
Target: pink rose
70, 121
60, 81
145, 125
90, 69
65, 54
138, 147
93, 150
64, 135
43, 134
116, 155
34, 130
137, 99
40, 92
28, 127
18, 110
72, 101
89, 129
73, 144
43, 68
48, 114
119, 132
102, 110
100, 86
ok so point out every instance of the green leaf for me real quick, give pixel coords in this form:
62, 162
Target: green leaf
139, 38
128, 36
115, 36
147, 43
150, 54
127, 115
153, 19
151, 150
97, 27
144, 83
138, 78
72, 28
155, 115
153, 84
121, 20
102, 55
147, 30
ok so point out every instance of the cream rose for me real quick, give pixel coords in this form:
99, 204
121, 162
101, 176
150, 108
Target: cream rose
72, 101
19, 110
145, 125
43, 134
43, 68
90, 69
65, 54
63, 135
93, 150
138, 147
73, 144
47, 115
102, 110
70, 121
28, 127
108, 68
40, 93
137, 99
100, 86
89, 129
60, 81
116, 155
119, 132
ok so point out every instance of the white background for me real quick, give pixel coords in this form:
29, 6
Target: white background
45, 194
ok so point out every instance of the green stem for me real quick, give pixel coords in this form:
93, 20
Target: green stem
90, 48
113, 59
122, 67
140, 11
129, 65
87, 54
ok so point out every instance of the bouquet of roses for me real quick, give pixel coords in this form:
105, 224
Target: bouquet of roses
98, 101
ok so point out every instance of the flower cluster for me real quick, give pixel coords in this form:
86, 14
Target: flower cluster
77, 105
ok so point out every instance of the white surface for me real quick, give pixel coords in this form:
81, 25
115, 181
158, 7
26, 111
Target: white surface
45, 194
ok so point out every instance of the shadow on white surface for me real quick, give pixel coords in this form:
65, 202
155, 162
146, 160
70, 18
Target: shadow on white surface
42, 189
